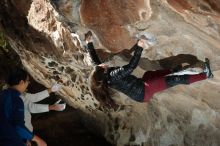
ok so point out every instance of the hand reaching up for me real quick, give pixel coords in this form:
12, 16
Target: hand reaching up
88, 37
141, 43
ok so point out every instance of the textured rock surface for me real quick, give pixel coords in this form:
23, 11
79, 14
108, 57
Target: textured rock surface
41, 33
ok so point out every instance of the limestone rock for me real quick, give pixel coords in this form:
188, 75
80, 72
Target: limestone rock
49, 38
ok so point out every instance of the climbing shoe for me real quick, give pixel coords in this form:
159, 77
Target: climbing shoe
208, 69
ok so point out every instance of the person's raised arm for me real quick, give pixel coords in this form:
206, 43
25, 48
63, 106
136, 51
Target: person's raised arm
41, 95
125, 70
93, 54
91, 49
37, 96
133, 63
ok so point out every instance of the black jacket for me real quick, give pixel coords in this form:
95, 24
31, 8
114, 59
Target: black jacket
120, 78
93, 55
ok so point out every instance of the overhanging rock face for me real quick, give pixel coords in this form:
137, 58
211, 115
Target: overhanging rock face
49, 38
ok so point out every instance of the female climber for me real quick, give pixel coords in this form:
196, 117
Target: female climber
139, 89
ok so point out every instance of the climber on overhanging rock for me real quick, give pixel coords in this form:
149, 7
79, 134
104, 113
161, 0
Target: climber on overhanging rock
139, 89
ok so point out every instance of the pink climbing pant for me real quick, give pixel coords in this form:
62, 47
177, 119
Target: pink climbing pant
154, 81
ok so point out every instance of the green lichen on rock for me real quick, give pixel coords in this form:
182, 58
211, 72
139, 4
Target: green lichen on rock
3, 42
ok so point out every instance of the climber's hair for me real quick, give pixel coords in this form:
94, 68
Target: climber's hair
99, 87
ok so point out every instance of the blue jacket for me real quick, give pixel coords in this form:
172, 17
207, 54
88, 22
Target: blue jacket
12, 117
